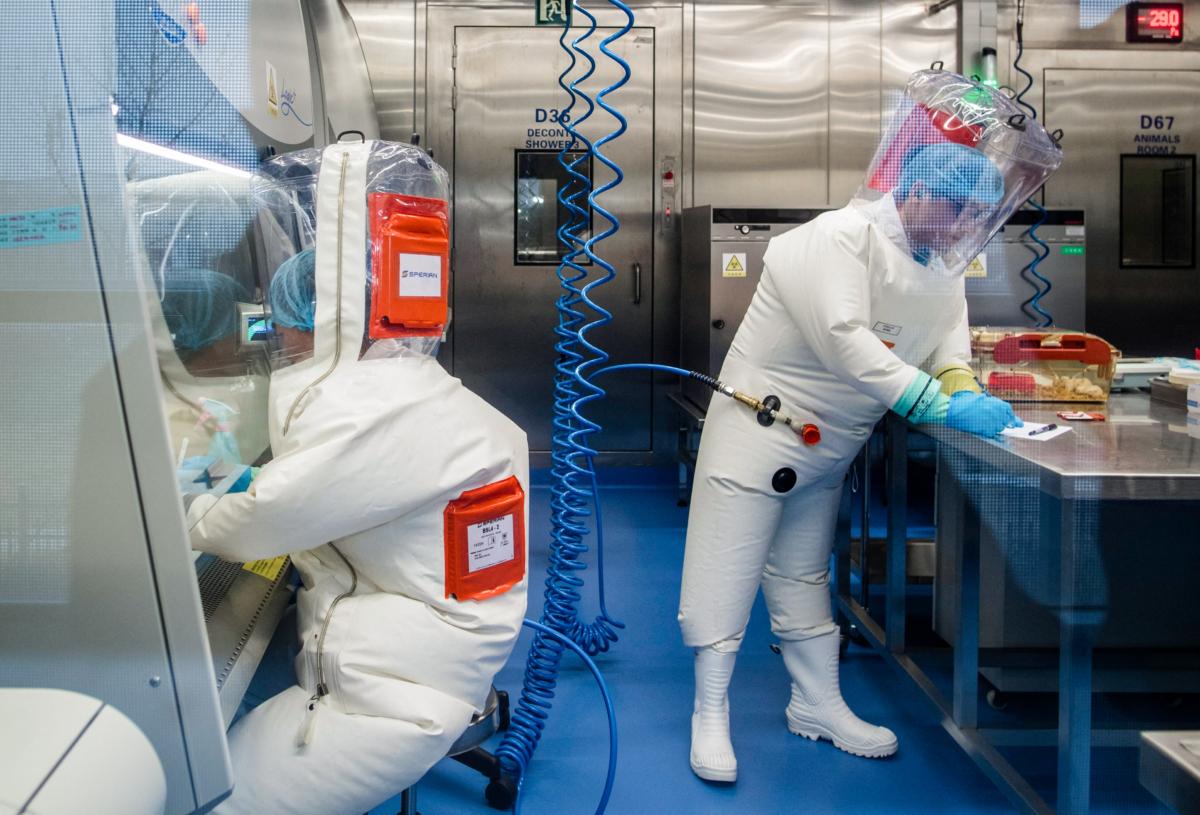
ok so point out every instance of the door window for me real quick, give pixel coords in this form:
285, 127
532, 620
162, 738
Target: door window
1158, 211
540, 177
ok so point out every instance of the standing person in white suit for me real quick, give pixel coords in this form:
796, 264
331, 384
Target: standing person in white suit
399, 494
859, 311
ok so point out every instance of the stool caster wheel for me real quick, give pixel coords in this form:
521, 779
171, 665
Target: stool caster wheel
501, 793
997, 700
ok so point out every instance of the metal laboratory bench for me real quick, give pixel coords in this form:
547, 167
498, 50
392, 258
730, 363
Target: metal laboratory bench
1170, 768
1142, 453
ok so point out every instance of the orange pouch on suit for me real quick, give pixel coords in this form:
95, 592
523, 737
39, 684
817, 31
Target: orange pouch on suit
410, 265
485, 541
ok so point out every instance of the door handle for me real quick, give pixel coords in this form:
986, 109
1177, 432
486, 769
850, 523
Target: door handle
637, 284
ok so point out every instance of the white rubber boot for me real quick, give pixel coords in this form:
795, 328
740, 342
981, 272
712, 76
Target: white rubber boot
817, 710
712, 752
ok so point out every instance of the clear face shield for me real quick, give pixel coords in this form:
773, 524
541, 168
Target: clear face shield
191, 230
193, 234
397, 292
957, 160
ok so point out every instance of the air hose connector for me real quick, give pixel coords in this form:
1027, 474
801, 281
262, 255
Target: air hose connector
768, 410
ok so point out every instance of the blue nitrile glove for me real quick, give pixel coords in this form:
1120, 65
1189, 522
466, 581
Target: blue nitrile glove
980, 414
243, 482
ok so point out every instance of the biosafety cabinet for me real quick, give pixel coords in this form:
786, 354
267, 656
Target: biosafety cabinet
147, 127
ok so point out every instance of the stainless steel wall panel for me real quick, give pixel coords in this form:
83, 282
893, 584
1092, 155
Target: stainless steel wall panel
346, 83
855, 52
388, 33
976, 31
761, 104
688, 77
672, 52
912, 39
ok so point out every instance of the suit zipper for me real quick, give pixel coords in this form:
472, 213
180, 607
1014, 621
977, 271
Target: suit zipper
306, 729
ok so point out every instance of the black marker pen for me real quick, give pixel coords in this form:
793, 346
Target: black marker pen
1045, 429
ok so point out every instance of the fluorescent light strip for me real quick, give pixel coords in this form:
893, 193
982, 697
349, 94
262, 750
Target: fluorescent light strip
176, 155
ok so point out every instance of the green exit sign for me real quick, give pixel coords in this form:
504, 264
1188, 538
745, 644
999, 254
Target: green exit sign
1072, 250
554, 12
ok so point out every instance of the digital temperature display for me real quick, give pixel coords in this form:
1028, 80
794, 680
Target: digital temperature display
1154, 22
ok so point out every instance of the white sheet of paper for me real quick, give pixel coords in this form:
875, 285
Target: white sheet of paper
1031, 431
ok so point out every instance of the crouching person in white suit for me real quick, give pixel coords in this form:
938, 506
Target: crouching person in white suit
399, 494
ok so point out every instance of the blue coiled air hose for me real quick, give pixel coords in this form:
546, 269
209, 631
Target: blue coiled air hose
1032, 307
549, 633
574, 488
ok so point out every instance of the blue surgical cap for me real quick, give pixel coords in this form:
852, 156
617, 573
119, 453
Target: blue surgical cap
293, 292
200, 306
953, 171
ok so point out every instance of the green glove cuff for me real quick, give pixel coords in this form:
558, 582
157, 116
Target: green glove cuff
923, 401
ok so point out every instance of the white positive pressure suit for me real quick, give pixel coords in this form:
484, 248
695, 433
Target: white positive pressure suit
405, 614
856, 312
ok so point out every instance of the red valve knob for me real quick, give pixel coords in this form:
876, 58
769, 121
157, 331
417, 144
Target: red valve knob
810, 434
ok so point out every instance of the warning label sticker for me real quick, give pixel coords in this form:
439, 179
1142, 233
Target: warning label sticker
977, 267
272, 90
490, 543
420, 275
733, 264
269, 568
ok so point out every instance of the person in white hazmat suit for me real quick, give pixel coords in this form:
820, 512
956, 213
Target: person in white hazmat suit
859, 311
191, 231
399, 494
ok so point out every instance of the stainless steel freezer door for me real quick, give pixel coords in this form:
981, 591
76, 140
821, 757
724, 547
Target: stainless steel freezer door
506, 107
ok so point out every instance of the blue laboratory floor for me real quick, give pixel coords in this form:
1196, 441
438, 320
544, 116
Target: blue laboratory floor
649, 674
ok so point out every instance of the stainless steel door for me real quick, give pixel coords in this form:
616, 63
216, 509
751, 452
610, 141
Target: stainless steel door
506, 105
1142, 308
